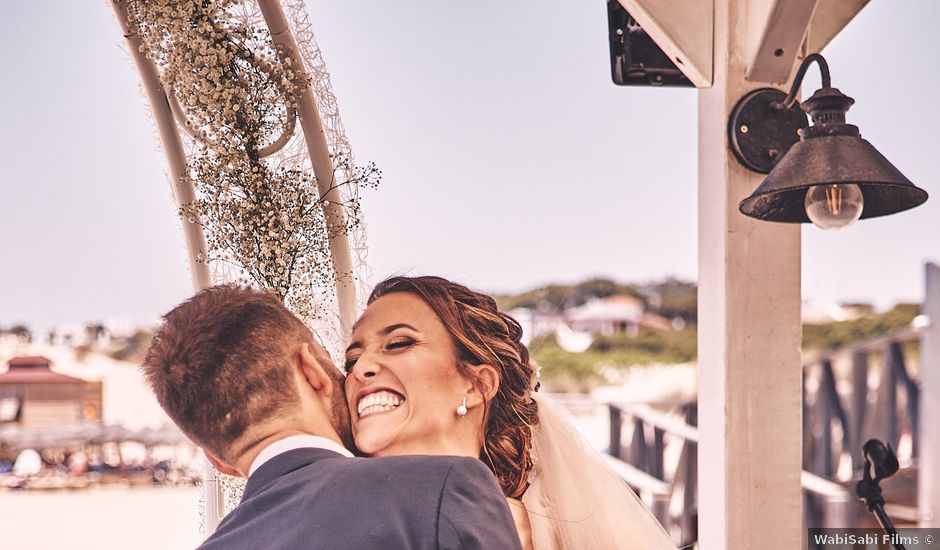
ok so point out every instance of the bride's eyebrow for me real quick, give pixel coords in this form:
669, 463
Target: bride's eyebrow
392, 328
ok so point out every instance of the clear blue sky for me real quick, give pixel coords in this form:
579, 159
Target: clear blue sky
509, 157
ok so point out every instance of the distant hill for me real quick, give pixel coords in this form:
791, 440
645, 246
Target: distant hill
669, 297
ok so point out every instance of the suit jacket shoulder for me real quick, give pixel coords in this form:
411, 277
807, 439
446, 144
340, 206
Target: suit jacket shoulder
307, 499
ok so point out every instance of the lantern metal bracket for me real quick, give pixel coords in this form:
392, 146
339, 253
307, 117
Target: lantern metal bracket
760, 132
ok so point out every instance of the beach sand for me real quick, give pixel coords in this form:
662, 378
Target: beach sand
158, 518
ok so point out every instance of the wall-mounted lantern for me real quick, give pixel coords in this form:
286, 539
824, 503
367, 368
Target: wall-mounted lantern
825, 173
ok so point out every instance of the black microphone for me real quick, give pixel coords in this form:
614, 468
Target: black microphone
883, 461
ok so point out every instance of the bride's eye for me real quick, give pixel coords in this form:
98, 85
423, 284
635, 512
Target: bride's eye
399, 343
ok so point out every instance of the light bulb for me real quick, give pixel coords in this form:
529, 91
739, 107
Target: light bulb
834, 206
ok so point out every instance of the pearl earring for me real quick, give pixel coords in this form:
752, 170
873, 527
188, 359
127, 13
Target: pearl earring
462, 408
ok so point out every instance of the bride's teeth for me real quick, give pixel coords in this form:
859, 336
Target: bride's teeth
380, 401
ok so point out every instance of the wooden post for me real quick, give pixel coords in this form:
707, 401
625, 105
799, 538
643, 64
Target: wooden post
749, 331
616, 427
888, 428
928, 475
858, 406
656, 458
639, 451
823, 463
911, 391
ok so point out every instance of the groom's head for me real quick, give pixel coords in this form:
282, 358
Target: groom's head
232, 366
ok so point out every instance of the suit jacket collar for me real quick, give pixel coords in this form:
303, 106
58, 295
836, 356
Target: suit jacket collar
282, 465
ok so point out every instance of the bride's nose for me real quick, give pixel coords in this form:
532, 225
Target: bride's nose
365, 368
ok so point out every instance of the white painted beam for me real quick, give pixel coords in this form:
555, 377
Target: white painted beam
683, 30
184, 193
775, 32
750, 382
928, 475
830, 18
180, 183
319, 153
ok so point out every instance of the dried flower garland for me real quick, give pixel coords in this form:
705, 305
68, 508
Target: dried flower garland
237, 98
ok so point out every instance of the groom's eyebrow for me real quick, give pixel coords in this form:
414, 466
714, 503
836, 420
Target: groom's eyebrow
384, 332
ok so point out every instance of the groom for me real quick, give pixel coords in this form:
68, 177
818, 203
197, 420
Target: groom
245, 380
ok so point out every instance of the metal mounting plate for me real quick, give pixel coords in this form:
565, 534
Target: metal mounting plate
760, 135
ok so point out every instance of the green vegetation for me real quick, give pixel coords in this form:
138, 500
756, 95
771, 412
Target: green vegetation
833, 335
133, 348
670, 298
674, 298
621, 351
558, 297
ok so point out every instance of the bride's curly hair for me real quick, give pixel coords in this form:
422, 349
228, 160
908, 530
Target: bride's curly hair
484, 335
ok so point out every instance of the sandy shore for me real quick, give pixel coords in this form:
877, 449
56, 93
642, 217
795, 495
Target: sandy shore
159, 518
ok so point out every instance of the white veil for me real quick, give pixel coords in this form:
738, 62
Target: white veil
576, 501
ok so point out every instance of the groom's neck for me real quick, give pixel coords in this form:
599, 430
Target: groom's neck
246, 459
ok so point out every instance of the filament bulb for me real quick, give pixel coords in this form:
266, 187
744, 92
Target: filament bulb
834, 206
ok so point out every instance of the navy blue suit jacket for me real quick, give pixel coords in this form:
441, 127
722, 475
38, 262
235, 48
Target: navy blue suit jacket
317, 499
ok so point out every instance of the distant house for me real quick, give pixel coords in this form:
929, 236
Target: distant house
34, 396
536, 323
607, 315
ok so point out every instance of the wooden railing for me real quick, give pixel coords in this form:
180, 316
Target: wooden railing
842, 410
654, 445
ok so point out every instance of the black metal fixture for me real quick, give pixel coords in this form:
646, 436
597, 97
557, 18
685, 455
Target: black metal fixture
824, 173
635, 60
880, 463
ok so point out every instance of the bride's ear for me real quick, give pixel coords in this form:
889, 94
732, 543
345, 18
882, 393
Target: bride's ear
484, 387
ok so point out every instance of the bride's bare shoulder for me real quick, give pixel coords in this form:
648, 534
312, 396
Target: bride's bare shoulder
520, 517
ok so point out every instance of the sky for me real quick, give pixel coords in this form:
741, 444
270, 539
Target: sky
509, 157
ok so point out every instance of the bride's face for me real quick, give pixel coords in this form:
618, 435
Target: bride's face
403, 387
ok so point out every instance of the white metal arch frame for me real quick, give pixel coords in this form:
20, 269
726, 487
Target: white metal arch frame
320, 138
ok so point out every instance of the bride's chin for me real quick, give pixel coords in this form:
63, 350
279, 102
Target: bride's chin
374, 443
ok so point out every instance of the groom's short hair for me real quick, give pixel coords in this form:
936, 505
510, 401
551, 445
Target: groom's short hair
221, 362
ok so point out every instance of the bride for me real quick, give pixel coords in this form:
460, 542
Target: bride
433, 368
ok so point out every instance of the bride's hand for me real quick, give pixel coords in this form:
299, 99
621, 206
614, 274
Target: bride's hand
520, 517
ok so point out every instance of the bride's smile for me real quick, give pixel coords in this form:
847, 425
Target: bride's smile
403, 385
377, 401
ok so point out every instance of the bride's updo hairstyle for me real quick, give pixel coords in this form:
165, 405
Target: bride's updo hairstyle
484, 335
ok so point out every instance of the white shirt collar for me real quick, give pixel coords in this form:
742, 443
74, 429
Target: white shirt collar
292, 442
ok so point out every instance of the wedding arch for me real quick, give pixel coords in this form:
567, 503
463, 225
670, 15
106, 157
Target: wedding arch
262, 173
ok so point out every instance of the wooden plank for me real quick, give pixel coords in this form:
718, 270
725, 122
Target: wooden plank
775, 34
671, 424
830, 18
636, 478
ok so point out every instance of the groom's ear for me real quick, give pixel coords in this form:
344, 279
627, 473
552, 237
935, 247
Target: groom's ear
221, 466
313, 371
485, 386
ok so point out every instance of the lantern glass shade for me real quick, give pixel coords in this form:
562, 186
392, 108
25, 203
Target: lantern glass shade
830, 160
